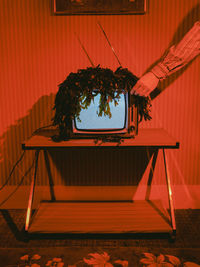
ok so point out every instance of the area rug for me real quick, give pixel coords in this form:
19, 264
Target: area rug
16, 250
99, 257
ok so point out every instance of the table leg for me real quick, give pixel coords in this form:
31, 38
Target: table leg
51, 183
171, 205
151, 172
31, 194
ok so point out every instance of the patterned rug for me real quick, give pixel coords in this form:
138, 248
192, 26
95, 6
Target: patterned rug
99, 257
102, 251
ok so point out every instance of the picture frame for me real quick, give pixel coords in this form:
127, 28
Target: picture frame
100, 7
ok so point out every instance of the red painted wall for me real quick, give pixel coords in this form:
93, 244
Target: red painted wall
38, 50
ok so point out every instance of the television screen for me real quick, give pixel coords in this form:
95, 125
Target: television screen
90, 121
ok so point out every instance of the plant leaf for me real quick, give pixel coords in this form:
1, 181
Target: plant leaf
190, 264
147, 261
57, 259
123, 263
174, 260
49, 263
36, 257
25, 257
160, 258
98, 259
150, 256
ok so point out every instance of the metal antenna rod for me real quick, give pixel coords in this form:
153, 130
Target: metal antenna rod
109, 43
82, 46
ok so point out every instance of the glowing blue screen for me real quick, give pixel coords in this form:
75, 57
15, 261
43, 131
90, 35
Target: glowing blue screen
91, 121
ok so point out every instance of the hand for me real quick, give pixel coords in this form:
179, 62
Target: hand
145, 85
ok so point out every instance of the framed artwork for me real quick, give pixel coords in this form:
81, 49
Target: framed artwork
99, 7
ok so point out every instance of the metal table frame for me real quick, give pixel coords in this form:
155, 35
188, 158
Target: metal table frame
157, 138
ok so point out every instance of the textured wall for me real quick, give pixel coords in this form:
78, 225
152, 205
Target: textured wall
38, 50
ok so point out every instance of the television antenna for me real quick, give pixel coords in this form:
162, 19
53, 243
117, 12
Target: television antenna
104, 33
82, 46
108, 41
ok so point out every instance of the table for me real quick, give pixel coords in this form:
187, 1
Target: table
142, 216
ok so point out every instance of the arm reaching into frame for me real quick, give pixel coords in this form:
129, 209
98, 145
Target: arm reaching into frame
177, 57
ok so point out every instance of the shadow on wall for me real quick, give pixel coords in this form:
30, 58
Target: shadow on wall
184, 27
80, 167
39, 115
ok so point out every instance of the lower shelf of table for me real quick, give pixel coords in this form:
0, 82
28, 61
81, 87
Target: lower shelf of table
100, 217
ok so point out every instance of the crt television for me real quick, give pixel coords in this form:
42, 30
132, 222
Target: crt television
123, 121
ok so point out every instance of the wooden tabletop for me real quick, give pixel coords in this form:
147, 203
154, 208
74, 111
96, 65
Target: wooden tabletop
146, 137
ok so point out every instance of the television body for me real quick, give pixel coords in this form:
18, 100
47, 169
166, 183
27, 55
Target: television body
123, 122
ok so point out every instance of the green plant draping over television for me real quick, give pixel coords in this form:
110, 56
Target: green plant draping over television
77, 91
